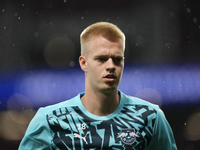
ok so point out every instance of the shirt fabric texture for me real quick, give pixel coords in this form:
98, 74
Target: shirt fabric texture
135, 125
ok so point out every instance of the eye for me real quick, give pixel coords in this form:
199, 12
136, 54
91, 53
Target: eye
102, 59
117, 59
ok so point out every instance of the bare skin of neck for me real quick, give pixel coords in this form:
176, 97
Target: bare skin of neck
99, 103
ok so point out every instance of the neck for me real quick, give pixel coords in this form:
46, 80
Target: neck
99, 103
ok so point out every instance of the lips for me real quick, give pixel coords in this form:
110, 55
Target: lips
110, 77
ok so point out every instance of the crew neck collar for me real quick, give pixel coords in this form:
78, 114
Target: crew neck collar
107, 117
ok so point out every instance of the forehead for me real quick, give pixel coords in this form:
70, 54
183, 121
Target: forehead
101, 45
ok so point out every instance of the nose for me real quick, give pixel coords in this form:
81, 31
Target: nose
110, 65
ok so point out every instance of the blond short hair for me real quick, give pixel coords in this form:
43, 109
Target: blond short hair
108, 30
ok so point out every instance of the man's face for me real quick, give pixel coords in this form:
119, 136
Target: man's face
104, 63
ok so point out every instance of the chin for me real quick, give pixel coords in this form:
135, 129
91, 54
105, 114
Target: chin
109, 89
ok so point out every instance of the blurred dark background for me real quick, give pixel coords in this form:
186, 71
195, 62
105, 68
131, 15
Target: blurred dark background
40, 46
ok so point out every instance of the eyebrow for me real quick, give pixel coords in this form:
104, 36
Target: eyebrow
113, 56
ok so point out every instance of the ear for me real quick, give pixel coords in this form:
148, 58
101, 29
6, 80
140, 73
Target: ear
82, 62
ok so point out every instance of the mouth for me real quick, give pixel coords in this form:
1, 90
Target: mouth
110, 77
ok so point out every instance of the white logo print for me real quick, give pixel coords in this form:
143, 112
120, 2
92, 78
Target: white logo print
80, 137
128, 136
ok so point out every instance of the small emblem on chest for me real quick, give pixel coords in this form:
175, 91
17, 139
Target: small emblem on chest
80, 137
128, 136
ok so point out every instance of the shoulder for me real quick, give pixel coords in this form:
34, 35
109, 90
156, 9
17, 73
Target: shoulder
67, 103
130, 100
141, 106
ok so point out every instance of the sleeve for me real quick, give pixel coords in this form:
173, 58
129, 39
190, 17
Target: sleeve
37, 136
163, 138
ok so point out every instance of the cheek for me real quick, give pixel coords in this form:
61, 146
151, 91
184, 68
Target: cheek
96, 73
92, 71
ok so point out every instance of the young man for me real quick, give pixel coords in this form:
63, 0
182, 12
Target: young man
103, 117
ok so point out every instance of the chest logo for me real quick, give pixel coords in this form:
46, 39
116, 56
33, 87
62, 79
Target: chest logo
80, 137
128, 136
